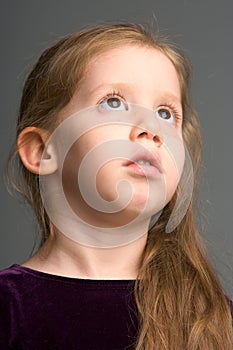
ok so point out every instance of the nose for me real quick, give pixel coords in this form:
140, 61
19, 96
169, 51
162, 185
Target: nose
146, 129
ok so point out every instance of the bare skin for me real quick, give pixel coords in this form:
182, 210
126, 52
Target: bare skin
149, 85
70, 259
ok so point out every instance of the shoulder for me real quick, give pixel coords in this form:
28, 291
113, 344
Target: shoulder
9, 271
15, 286
8, 305
15, 290
11, 285
6, 280
9, 278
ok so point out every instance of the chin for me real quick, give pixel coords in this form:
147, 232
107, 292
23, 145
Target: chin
145, 208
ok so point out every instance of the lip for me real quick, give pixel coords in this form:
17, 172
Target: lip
152, 170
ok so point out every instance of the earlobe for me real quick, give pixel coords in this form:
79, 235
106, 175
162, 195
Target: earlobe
36, 156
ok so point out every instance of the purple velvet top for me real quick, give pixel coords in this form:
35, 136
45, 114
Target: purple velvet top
43, 311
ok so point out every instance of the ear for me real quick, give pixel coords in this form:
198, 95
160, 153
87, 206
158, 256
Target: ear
36, 156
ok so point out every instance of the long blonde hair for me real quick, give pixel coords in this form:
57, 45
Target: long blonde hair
180, 302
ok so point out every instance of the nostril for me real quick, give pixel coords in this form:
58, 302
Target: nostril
157, 139
142, 134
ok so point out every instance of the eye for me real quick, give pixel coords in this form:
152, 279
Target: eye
114, 103
166, 115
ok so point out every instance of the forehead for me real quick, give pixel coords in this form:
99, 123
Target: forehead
133, 64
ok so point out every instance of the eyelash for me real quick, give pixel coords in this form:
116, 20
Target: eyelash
114, 93
170, 106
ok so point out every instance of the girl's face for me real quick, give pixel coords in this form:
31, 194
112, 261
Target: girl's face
140, 84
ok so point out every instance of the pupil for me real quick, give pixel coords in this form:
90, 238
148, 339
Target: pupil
165, 114
113, 102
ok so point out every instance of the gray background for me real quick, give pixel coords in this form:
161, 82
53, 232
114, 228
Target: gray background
203, 28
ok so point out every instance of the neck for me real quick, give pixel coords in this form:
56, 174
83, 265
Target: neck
62, 256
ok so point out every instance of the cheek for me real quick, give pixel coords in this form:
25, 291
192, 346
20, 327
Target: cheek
89, 165
81, 148
173, 163
73, 159
72, 163
107, 179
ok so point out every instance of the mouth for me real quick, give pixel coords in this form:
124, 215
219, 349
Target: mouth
145, 164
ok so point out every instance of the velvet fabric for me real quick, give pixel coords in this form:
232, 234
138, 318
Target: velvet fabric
43, 311
40, 311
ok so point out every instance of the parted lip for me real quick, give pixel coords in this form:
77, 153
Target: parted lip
146, 156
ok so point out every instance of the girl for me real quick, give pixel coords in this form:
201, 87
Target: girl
105, 130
